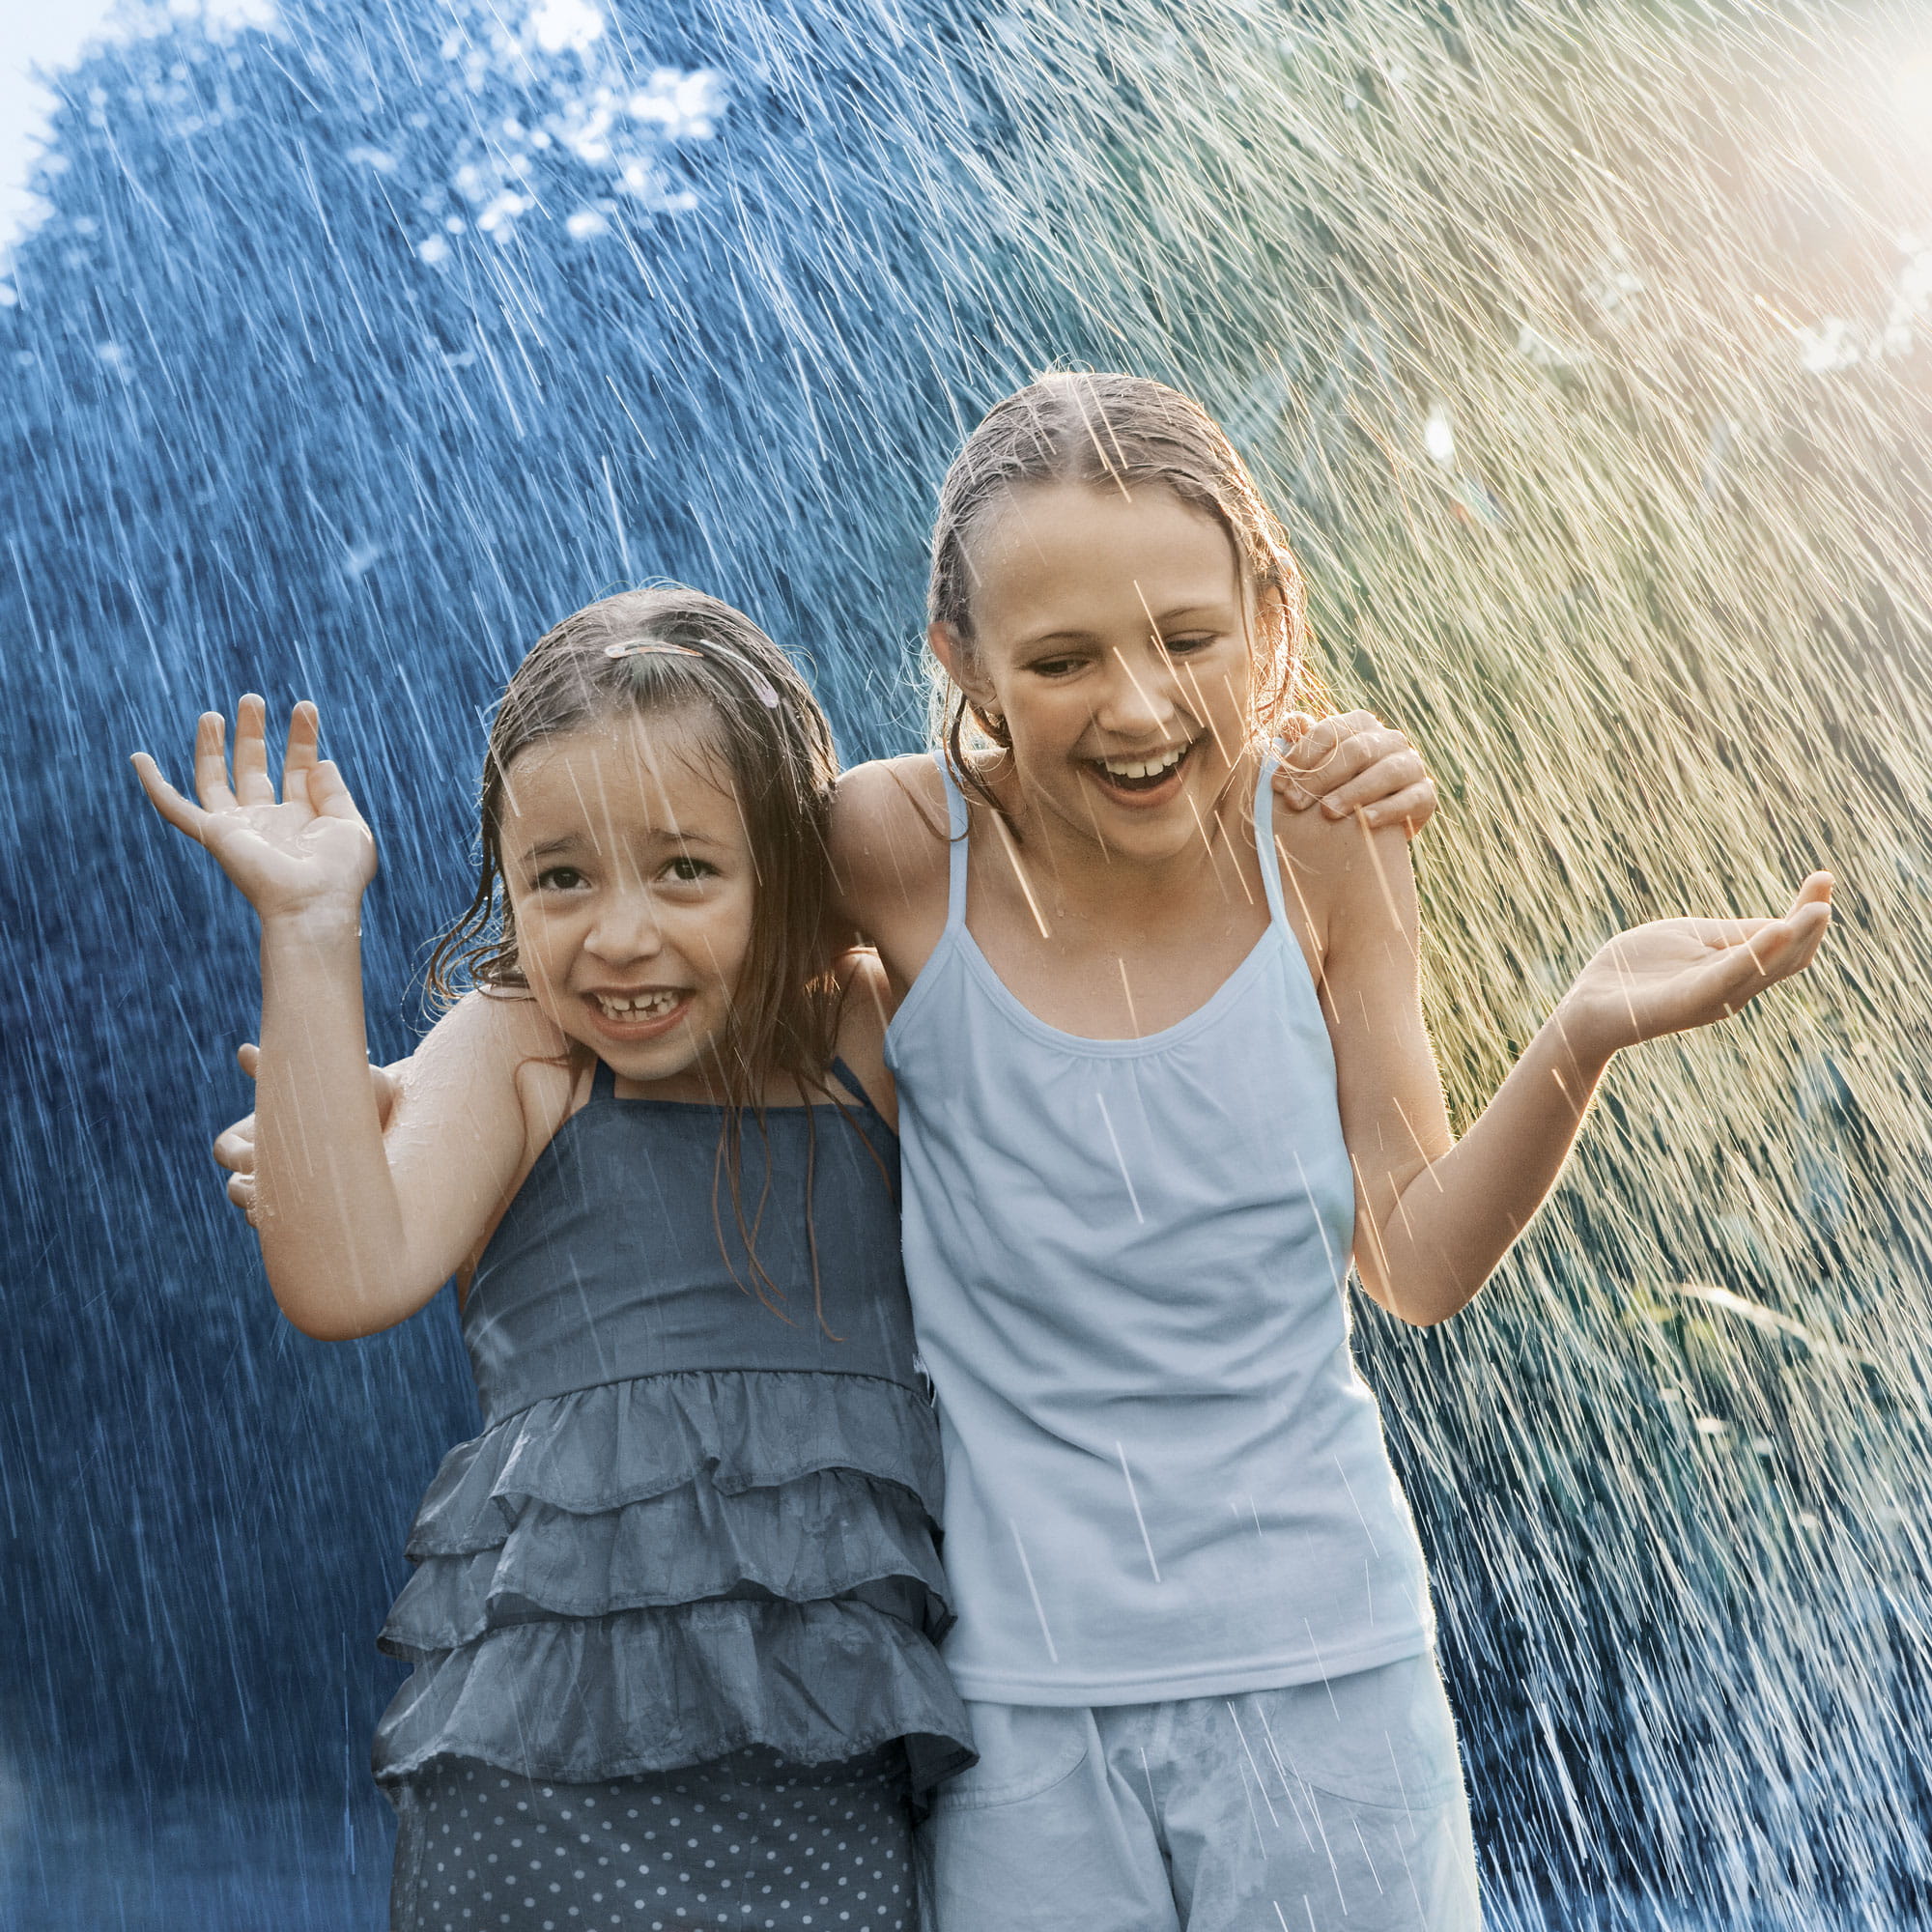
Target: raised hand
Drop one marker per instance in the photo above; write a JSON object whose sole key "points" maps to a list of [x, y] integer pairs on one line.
{"points": [[1677, 973], [1355, 762], [308, 852]]}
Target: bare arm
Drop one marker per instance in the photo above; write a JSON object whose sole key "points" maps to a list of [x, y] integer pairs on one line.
{"points": [[1435, 1215], [356, 1234], [889, 862]]}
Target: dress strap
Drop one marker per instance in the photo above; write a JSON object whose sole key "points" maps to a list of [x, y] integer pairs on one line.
{"points": [[956, 833], [604, 1083], [1264, 846]]}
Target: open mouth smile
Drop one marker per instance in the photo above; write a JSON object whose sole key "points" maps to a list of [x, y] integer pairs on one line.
{"points": [[1147, 771], [640, 1014]]}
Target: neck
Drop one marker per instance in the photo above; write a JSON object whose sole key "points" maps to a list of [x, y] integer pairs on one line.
{"points": [[1071, 871]]}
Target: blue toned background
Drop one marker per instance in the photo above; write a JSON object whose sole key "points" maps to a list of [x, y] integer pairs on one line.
{"points": [[353, 348]]}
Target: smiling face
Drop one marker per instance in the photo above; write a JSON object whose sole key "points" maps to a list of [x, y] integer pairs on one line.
{"points": [[1111, 633], [632, 886]]}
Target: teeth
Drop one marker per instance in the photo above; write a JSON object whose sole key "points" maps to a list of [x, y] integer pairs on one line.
{"points": [[1139, 768], [641, 1007]]}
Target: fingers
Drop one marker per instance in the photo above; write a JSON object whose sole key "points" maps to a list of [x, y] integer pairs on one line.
{"points": [[252, 752], [249, 1055], [328, 795], [1786, 945], [210, 763], [1412, 807], [241, 1192], [299, 754], [184, 814], [1317, 744], [235, 1146], [1396, 771], [1759, 952], [1341, 760]]}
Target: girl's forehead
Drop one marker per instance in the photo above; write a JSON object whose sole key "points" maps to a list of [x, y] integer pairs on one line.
{"points": [[631, 771], [1056, 546]]}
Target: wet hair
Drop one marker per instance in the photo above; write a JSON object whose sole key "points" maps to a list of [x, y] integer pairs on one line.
{"points": [[1113, 432], [701, 659]]}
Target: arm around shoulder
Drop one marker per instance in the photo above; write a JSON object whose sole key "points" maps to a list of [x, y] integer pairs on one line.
{"points": [[889, 859]]}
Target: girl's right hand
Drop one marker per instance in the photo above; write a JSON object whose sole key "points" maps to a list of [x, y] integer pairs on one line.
{"points": [[309, 853]]}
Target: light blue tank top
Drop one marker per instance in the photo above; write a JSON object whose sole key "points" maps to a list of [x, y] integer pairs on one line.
{"points": [[1164, 1477]]}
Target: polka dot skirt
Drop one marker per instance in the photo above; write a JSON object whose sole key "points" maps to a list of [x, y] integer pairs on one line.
{"points": [[751, 1841]]}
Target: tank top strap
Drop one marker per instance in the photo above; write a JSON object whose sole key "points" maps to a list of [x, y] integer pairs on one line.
{"points": [[1264, 846], [603, 1081], [955, 833]]}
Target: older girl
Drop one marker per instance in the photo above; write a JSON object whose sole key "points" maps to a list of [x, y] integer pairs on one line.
{"points": [[1163, 1076], [674, 1612]]}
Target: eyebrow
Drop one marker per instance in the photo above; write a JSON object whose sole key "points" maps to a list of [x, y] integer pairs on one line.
{"points": [[1078, 637], [551, 848]]}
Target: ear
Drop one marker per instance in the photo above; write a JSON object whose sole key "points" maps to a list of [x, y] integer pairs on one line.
{"points": [[960, 663]]}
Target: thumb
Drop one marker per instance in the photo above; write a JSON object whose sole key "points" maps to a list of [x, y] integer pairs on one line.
{"points": [[249, 1057]]}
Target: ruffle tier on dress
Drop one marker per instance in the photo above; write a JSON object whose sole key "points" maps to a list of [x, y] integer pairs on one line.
{"points": [[652, 1573]]}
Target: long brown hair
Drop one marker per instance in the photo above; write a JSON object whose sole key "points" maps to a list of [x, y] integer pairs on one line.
{"points": [[772, 738], [1114, 431]]}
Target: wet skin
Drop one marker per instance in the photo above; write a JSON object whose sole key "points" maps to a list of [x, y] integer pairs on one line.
{"points": [[632, 884]]}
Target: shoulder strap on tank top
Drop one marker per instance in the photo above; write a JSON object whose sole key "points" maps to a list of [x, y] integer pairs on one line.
{"points": [[1264, 846], [956, 835]]}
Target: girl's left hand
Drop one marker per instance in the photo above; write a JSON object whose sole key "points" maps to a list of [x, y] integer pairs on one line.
{"points": [[1677, 973], [1355, 762]]}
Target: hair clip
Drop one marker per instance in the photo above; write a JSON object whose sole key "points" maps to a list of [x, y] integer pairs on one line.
{"points": [[754, 676]]}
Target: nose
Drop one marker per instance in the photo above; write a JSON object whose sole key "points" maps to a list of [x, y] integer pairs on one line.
{"points": [[626, 928], [1139, 700]]}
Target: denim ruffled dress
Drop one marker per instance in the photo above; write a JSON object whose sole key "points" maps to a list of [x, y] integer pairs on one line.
{"points": [[702, 1515]]}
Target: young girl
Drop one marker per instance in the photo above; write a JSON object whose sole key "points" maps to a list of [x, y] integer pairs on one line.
{"points": [[675, 1613], [1163, 1074]]}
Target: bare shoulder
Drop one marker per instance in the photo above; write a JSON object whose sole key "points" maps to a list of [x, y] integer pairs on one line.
{"points": [[889, 856], [866, 1011], [505, 1024], [889, 819], [493, 1050], [1342, 883]]}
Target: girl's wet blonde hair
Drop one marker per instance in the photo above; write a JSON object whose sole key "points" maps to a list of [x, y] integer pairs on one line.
{"points": [[1113, 432]]}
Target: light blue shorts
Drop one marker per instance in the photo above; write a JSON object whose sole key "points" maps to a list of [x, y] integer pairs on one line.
{"points": [[1334, 1807]]}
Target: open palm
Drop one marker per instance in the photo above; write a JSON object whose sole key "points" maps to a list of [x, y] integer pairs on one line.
{"points": [[1677, 973], [308, 851]]}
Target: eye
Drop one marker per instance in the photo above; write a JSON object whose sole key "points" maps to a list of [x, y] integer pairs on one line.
{"points": [[559, 879], [1181, 647], [688, 870], [1056, 667]]}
